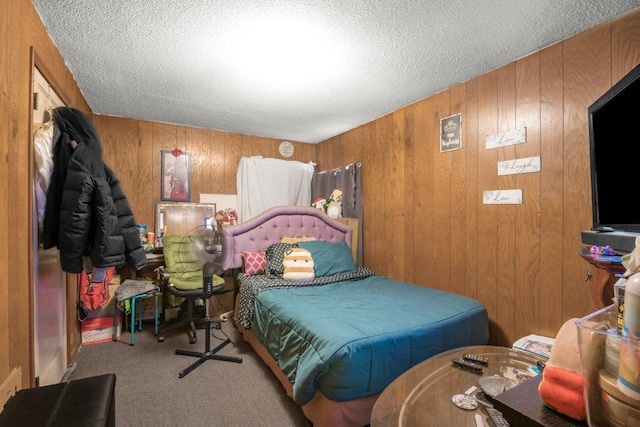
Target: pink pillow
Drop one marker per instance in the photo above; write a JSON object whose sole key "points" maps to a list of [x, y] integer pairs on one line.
{"points": [[254, 262]]}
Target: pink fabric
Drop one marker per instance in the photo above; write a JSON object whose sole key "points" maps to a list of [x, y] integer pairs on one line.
{"points": [[254, 262]]}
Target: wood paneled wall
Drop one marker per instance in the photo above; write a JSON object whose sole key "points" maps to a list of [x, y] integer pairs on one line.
{"points": [[132, 148], [424, 219]]}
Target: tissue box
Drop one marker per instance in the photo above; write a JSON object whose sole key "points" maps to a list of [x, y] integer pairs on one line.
{"points": [[599, 340]]}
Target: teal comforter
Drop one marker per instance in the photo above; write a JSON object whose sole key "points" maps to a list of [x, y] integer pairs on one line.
{"points": [[350, 339]]}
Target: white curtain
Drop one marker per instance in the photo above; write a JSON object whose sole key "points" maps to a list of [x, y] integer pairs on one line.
{"points": [[266, 183]]}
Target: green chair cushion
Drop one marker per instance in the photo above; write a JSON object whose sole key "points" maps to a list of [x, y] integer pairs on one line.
{"points": [[183, 262]]}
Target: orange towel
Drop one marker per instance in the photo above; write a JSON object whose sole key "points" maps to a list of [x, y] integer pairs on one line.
{"points": [[562, 390]]}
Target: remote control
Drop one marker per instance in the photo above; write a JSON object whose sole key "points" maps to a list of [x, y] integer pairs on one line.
{"points": [[475, 358], [496, 417], [463, 363]]}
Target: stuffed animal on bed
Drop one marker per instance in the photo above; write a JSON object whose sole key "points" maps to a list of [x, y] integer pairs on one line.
{"points": [[298, 265], [333, 206]]}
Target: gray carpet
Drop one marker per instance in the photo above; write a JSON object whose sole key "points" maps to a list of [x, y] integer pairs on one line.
{"points": [[217, 393]]}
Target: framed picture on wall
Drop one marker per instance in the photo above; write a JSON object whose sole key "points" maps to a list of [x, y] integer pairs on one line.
{"points": [[176, 176], [451, 133]]}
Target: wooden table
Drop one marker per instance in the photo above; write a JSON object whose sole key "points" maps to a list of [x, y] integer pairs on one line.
{"points": [[603, 277], [422, 396]]}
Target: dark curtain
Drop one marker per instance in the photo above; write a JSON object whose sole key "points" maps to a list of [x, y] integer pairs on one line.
{"points": [[347, 179]]}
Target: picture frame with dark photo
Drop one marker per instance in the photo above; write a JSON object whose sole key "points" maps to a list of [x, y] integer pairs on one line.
{"points": [[176, 176], [451, 133]]}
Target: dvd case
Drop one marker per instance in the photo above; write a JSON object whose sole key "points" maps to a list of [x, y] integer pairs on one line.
{"points": [[536, 344]]}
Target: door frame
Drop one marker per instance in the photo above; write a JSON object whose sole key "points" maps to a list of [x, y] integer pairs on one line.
{"points": [[37, 62]]}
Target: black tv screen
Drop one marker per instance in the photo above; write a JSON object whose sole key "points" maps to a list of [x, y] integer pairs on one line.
{"points": [[615, 165]]}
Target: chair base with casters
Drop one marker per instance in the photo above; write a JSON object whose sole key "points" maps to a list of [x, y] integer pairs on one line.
{"points": [[189, 320]]}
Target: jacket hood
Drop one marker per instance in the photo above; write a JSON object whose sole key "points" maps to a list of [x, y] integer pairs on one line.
{"points": [[73, 124]]}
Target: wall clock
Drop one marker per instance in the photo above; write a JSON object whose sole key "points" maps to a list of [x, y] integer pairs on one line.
{"points": [[286, 149]]}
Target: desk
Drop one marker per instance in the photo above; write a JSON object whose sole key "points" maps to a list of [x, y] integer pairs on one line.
{"points": [[422, 395], [145, 273]]}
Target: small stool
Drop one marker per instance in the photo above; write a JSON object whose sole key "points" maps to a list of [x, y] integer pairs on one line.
{"points": [[133, 292], [83, 402], [156, 321]]}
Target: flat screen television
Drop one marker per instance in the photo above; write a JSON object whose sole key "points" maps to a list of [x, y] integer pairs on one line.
{"points": [[615, 165]]}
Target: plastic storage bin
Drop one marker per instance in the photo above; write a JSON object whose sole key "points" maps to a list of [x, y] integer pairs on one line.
{"points": [[599, 343]]}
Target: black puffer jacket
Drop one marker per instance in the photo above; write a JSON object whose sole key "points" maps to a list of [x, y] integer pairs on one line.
{"points": [[87, 211], [133, 252]]}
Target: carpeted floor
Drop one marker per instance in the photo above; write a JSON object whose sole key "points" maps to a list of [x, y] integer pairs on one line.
{"points": [[217, 393]]}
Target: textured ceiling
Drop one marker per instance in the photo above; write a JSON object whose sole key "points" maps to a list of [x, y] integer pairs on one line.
{"points": [[296, 70]]}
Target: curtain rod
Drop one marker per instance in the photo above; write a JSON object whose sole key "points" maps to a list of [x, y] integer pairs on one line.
{"points": [[357, 164]]}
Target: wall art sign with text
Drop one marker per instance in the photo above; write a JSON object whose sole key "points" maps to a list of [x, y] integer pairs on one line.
{"points": [[523, 165], [502, 197], [451, 133], [505, 139]]}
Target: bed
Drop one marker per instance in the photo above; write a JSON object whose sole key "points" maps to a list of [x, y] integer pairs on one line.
{"points": [[337, 340]]}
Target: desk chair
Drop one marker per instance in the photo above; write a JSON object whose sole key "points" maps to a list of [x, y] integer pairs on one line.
{"points": [[209, 289], [181, 276], [188, 275]]}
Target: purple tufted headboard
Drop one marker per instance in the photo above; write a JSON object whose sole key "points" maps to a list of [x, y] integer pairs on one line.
{"points": [[273, 224]]}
